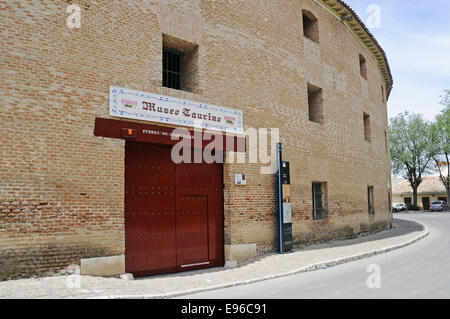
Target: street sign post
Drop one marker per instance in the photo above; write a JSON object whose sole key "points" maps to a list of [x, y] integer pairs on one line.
{"points": [[284, 203]]}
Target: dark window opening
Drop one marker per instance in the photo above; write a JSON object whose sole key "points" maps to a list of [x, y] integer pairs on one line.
{"points": [[310, 26], [319, 200], [315, 104], [363, 66], [180, 64], [426, 203], [386, 142], [367, 130], [370, 200], [389, 200], [172, 68]]}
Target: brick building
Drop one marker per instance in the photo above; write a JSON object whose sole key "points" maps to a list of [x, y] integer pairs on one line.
{"points": [[70, 171]]}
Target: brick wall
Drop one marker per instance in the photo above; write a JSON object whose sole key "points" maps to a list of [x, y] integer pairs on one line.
{"points": [[62, 189]]}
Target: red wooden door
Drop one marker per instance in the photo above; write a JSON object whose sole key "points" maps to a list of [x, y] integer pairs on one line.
{"points": [[173, 213], [192, 231], [149, 209]]}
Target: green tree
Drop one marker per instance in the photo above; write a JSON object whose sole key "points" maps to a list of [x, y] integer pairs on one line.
{"points": [[441, 142], [411, 149], [446, 98]]}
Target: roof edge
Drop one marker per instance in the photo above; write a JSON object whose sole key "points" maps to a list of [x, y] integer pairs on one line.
{"points": [[343, 10]]}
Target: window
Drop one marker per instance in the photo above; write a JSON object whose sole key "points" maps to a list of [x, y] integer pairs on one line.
{"points": [[370, 200], [408, 201], [389, 200], [426, 203], [443, 199], [363, 66], [367, 132], [386, 142], [310, 26], [180, 64], [383, 96], [319, 197], [315, 104], [172, 68]]}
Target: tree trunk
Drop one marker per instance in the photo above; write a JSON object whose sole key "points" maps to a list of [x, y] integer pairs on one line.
{"points": [[448, 196], [415, 196]]}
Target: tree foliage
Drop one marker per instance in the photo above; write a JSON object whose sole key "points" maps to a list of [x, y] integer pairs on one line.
{"points": [[446, 99], [441, 142], [418, 147], [411, 149]]}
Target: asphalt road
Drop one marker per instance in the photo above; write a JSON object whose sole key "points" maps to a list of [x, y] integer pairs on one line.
{"points": [[419, 271]]}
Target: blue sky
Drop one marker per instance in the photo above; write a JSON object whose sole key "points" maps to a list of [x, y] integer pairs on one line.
{"points": [[416, 37]]}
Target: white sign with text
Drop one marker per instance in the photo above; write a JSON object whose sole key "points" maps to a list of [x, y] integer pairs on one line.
{"points": [[132, 104]]}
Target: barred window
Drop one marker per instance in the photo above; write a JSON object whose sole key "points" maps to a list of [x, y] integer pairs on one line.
{"points": [[172, 68], [319, 200], [180, 64]]}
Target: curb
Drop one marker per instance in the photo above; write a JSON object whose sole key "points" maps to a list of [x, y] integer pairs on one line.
{"points": [[309, 268]]}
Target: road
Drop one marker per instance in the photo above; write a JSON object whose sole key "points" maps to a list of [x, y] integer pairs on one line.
{"points": [[420, 271]]}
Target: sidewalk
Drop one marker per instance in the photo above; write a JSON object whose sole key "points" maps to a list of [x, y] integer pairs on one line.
{"points": [[261, 268]]}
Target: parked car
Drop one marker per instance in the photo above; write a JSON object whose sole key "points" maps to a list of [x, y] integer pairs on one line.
{"points": [[439, 206], [400, 208]]}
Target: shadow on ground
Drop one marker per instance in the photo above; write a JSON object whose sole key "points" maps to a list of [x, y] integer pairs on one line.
{"points": [[400, 228]]}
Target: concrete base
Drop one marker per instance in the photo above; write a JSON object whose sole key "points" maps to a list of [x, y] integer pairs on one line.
{"points": [[240, 253], [127, 277], [103, 266], [230, 264]]}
